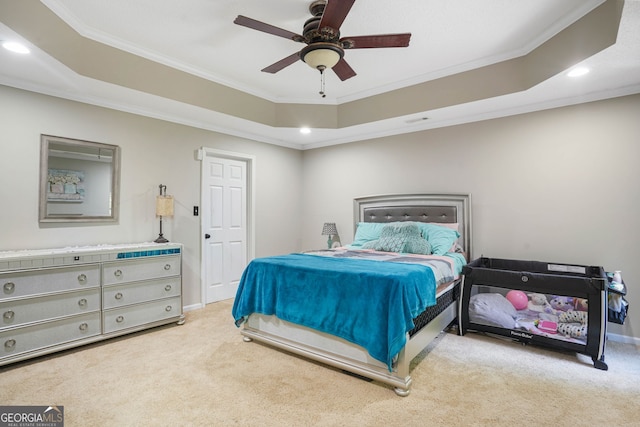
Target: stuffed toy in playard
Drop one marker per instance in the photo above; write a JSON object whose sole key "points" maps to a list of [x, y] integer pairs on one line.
{"points": [[561, 303], [573, 324], [539, 303], [581, 304]]}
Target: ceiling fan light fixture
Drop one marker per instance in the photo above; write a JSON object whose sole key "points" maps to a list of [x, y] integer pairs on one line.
{"points": [[321, 56]]}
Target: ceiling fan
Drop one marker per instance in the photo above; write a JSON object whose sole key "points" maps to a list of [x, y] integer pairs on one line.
{"points": [[321, 33]]}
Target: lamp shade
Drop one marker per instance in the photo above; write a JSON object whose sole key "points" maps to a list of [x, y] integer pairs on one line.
{"points": [[164, 205], [321, 55], [329, 229]]}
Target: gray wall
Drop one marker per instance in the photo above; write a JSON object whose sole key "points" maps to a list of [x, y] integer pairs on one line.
{"points": [[559, 185], [153, 153]]}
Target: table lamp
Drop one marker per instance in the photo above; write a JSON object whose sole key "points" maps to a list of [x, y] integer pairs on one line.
{"points": [[329, 229]]}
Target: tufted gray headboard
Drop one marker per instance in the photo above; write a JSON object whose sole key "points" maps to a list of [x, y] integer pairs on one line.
{"points": [[439, 208]]}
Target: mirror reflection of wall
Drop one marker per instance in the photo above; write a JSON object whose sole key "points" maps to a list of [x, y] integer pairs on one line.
{"points": [[79, 180], [87, 190]]}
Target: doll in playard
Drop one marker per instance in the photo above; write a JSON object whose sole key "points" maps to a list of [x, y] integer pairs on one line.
{"points": [[554, 316], [562, 315]]}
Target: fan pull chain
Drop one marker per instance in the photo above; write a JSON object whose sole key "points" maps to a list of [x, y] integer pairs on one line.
{"points": [[322, 68]]}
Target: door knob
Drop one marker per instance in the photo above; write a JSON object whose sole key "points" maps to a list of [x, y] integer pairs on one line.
{"points": [[207, 236]]}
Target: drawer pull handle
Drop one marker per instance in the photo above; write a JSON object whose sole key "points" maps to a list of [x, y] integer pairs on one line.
{"points": [[82, 302], [168, 308], [119, 295], [9, 287], [119, 319], [9, 344], [82, 278], [117, 273], [8, 315], [167, 267], [83, 327], [167, 288]]}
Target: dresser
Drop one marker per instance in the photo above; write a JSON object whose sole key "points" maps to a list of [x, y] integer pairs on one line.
{"points": [[55, 299]]}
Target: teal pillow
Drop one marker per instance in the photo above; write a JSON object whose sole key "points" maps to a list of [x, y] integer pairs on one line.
{"points": [[439, 237], [367, 232], [371, 244]]}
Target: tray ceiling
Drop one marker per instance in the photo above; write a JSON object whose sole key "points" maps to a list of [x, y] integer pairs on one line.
{"points": [[187, 62]]}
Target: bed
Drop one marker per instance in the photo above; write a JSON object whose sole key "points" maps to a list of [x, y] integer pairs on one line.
{"points": [[383, 349]]}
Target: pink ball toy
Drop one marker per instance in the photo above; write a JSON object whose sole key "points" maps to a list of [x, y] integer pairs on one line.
{"points": [[518, 299]]}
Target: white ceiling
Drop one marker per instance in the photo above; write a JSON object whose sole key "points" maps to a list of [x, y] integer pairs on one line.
{"points": [[448, 37]]}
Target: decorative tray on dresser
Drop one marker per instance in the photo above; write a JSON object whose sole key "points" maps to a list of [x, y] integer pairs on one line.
{"points": [[55, 299]]}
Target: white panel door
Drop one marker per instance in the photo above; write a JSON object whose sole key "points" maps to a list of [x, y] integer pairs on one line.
{"points": [[224, 218]]}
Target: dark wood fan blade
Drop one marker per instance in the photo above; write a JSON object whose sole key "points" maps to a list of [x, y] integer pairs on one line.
{"points": [[381, 40], [343, 70], [334, 13], [285, 62], [266, 28]]}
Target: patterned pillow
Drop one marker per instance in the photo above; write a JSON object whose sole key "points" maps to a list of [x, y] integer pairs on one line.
{"points": [[393, 237], [417, 245], [400, 237]]}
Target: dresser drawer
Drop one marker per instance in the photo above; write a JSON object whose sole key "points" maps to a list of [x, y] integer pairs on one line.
{"points": [[140, 269], [36, 337], [136, 315], [121, 295], [48, 280], [28, 310]]}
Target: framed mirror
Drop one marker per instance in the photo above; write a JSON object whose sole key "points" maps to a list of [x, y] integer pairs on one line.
{"points": [[79, 180]]}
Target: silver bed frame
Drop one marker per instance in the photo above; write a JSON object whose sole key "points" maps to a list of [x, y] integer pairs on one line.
{"points": [[336, 352]]}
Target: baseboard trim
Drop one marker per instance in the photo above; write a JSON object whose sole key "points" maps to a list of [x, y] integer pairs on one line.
{"points": [[623, 339], [193, 307]]}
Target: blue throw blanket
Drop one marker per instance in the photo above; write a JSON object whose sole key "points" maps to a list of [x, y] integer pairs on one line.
{"points": [[366, 302]]}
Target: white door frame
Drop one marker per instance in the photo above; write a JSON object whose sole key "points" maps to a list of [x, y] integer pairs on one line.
{"points": [[250, 160]]}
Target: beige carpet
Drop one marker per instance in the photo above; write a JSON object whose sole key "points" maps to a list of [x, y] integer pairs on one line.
{"points": [[203, 374]]}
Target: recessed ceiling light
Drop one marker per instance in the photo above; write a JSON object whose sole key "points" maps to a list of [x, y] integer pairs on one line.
{"points": [[15, 47], [305, 130], [578, 71]]}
